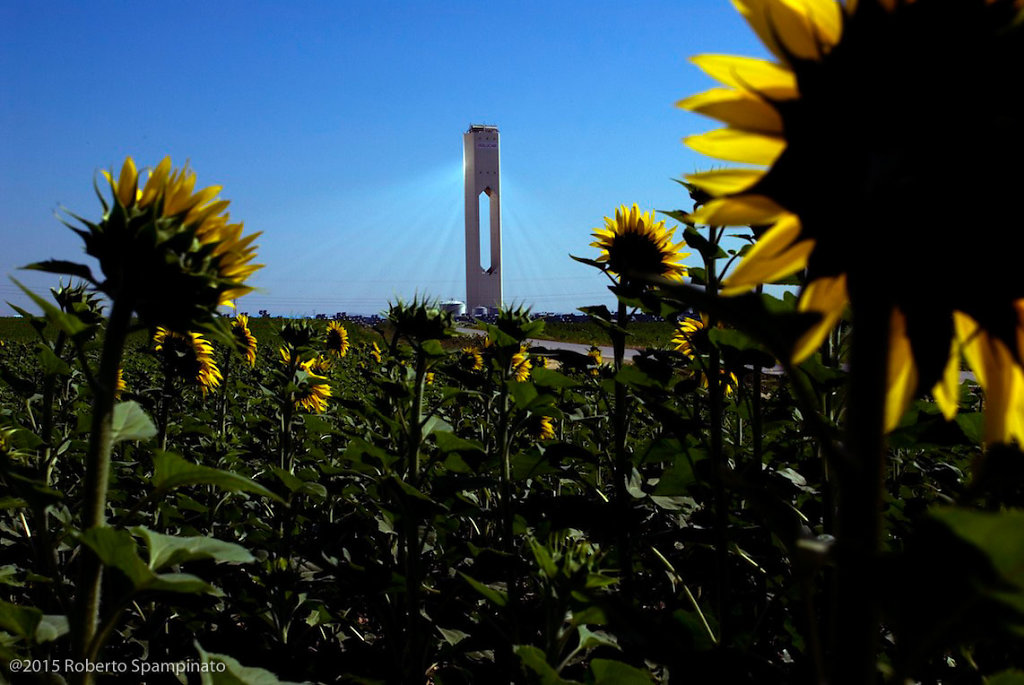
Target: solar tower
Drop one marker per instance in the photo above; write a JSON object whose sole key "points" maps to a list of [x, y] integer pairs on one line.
{"points": [[480, 161]]}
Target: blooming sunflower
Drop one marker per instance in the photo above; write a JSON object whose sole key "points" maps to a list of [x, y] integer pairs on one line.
{"points": [[544, 428], [188, 355], [471, 358], [167, 250], [634, 243], [120, 387], [314, 389], [596, 358], [375, 352], [337, 339], [687, 341], [521, 365], [855, 132], [246, 340]]}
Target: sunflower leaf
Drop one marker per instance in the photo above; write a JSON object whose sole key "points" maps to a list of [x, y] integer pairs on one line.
{"points": [[130, 422], [60, 266]]}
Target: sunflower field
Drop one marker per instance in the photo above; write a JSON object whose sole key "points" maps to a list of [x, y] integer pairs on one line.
{"points": [[817, 479]]}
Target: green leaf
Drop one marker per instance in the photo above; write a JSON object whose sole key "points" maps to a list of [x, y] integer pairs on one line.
{"points": [[298, 486], [676, 480], [533, 659], [172, 471], [1011, 677], [59, 266], [549, 378], [610, 672], [51, 364], [496, 596], [117, 549], [452, 636], [51, 627], [168, 550], [130, 422], [522, 393], [595, 638], [449, 442], [19, 620], [225, 670], [997, 534]]}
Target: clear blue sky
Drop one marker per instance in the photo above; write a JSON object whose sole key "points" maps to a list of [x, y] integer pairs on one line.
{"points": [[336, 128]]}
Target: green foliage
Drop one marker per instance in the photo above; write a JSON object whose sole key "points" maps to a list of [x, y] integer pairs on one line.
{"points": [[423, 526]]}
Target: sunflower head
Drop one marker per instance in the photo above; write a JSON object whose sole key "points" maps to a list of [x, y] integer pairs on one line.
{"points": [[470, 359], [856, 127], [78, 300], [687, 336], [120, 386], [189, 356], [634, 244], [310, 380], [419, 321], [596, 360], [244, 337], [169, 250], [375, 352], [298, 334], [521, 365], [337, 339], [542, 427]]}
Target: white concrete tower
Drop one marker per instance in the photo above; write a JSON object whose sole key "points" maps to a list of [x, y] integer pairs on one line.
{"points": [[480, 161]]}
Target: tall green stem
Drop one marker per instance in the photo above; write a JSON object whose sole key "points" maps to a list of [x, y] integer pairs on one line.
{"points": [[97, 476], [622, 470], [721, 499], [861, 479]]}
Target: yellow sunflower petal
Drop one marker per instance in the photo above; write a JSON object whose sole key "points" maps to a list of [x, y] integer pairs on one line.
{"points": [[778, 253], [725, 181], [736, 108], [738, 146], [999, 375], [126, 182], [828, 297], [902, 372], [801, 28], [747, 73], [947, 391], [742, 210]]}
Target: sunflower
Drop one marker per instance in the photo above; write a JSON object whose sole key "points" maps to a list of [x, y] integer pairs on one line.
{"points": [[521, 365], [375, 352], [321, 365], [246, 340], [858, 137], [543, 428], [596, 359], [687, 340], [169, 251], [314, 389], [337, 339], [633, 243], [188, 355], [428, 378], [120, 387], [471, 359]]}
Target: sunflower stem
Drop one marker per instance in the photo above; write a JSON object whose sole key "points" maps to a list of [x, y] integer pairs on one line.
{"points": [[721, 500], [97, 477], [622, 470], [860, 486]]}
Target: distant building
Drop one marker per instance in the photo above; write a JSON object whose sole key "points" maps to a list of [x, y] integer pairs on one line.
{"points": [[481, 164]]}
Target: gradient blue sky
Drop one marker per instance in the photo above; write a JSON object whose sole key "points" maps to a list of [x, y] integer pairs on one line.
{"points": [[336, 128]]}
